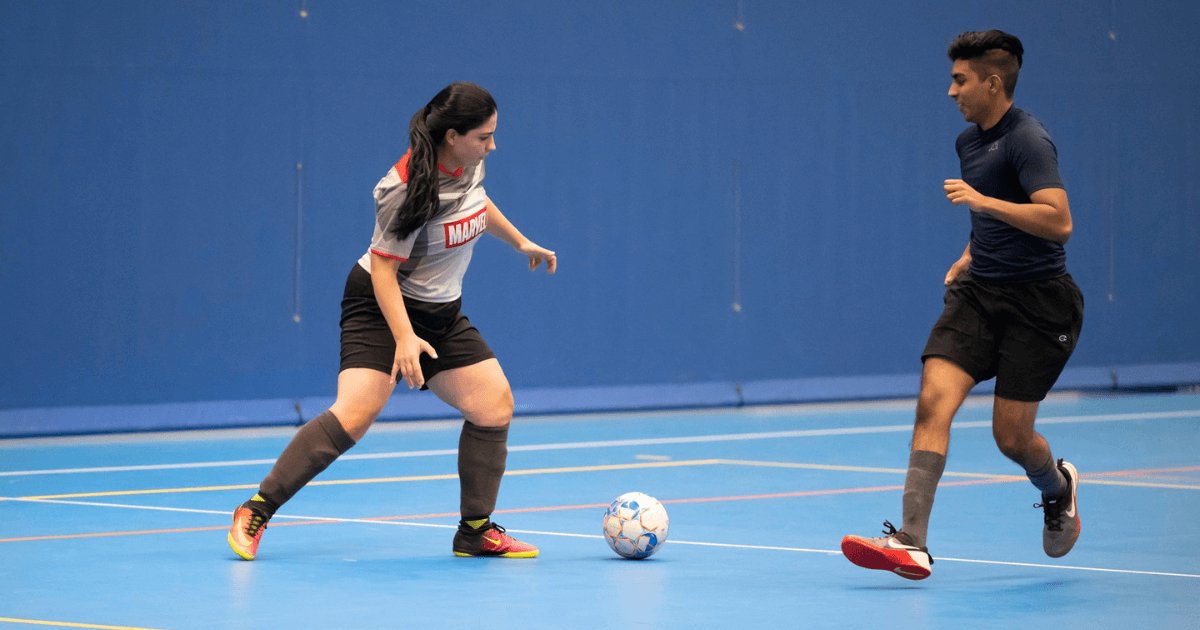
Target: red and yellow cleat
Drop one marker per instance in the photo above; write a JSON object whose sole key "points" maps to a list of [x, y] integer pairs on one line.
{"points": [[247, 530], [491, 541]]}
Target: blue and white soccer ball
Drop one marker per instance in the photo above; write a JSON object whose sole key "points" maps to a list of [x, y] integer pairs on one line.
{"points": [[635, 525]]}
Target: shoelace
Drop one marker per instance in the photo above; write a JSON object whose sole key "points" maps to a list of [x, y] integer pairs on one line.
{"points": [[892, 531], [256, 523], [1053, 516]]}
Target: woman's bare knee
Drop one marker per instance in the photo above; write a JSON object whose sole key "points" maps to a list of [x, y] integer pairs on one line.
{"points": [[496, 411], [480, 392], [362, 394]]}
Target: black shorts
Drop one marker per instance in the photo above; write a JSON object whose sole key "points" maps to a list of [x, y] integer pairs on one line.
{"points": [[367, 341], [1021, 333]]}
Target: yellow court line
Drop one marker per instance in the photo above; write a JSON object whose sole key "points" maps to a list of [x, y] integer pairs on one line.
{"points": [[542, 471], [343, 482], [747, 462], [124, 493], [1087, 479], [67, 624], [900, 471], [338, 482], [530, 471]]}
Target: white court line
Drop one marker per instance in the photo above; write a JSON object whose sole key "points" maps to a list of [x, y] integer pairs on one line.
{"points": [[729, 437], [943, 559], [119, 505], [1069, 567], [571, 535], [240, 462], [225, 513]]}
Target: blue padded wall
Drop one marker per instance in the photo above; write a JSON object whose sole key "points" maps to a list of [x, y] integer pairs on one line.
{"points": [[740, 191]]}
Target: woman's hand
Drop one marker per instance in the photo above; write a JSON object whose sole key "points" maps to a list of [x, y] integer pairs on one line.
{"points": [[407, 363], [537, 255]]}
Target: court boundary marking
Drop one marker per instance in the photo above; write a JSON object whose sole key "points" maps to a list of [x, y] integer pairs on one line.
{"points": [[407, 520], [1097, 478], [294, 520], [1160, 478]]}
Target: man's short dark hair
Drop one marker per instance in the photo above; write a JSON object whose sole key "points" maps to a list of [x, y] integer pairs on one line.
{"points": [[990, 52]]}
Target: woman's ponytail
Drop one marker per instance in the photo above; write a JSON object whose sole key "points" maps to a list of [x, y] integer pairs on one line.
{"points": [[461, 106], [421, 201]]}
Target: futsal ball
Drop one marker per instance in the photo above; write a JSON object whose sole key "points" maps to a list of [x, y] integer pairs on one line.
{"points": [[635, 525]]}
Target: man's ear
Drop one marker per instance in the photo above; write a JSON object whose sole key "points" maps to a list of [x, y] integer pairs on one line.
{"points": [[995, 83]]}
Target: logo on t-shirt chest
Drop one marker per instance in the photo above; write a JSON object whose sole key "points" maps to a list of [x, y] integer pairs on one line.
{"points": [[461, 232]]}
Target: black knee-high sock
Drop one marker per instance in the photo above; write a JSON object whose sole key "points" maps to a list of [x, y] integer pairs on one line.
{"points": [[482, 453], [312, 450]]}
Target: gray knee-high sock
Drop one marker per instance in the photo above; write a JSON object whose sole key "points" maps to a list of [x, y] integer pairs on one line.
{"points": [[482, 454], [924, 470], [312, 449], [1048, 478]]}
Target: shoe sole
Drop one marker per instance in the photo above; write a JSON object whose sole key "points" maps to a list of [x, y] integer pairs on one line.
{"points": [[516, 554], [869, 556], [239, 552]]}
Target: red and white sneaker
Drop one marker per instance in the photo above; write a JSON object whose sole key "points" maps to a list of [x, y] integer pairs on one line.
{"points": [[892, 552], [491, 541]]}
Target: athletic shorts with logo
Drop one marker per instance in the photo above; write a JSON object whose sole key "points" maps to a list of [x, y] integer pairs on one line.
{"points": [[1021, 333]]}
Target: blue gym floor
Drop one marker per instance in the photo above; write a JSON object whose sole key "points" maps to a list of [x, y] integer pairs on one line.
{"points": [[128, 531]]}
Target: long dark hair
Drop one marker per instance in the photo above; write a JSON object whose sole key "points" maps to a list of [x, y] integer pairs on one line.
{"points": [[462, 107]]}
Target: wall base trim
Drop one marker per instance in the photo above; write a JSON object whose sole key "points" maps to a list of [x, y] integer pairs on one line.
{"points": [[408, 406]]}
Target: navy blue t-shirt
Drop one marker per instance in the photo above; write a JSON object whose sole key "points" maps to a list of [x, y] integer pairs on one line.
{"points": [[1010, 161]]}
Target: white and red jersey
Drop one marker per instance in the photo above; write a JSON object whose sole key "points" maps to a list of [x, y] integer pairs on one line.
{"points": [[434, 258]]}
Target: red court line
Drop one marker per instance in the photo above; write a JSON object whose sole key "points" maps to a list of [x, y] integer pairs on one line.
{"points": [[814, 493], [552, 508]]}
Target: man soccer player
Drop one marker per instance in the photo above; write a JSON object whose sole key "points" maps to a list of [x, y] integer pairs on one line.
{"points": [[1011, 309]]}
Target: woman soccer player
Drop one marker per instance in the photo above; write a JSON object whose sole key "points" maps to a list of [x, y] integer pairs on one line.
{"points": [[401, 320]]}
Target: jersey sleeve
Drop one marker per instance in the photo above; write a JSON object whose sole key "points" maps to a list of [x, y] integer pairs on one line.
{"points": [[389, 194], [1036, 161]]}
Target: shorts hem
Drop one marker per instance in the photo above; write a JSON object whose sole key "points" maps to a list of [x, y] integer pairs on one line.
{"points": [[442, 366], [974, 376], [359, 364], [1020, 397]]}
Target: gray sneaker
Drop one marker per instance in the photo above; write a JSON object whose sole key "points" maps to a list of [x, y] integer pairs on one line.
{"points": [[1062, 518]]}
